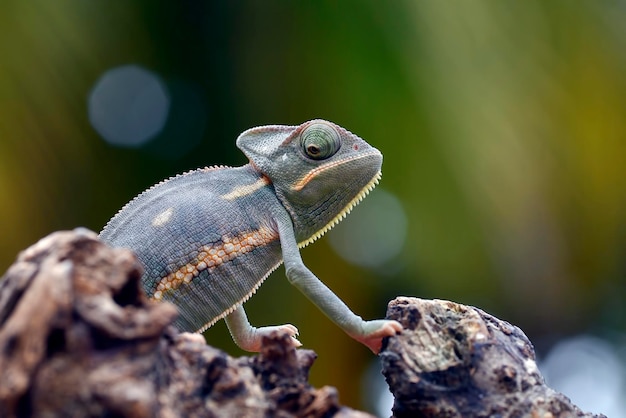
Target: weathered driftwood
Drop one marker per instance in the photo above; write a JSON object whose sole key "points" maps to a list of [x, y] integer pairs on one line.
{"points": [[454, 360], [78, 337]]}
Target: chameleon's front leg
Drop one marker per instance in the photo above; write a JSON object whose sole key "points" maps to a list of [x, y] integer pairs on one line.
{"points": [[248, 337], [369, 333]]}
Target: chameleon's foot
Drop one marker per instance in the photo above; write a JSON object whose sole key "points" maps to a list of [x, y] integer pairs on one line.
{"points": [[193, 337], [252, 341], [287, 329], [249, 338], [375, 331]]}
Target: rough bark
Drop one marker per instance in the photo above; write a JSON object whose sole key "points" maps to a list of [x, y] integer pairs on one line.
{"points": [[78, 337], [454, 360]]}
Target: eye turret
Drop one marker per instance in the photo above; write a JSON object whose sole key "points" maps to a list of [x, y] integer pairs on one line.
{"points": [[320, 141]]}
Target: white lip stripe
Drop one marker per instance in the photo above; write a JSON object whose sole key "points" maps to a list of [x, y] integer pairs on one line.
{"points": [[299, 185]]}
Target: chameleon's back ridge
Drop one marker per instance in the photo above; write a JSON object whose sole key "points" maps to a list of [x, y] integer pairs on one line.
{"points": [[208, 238]]}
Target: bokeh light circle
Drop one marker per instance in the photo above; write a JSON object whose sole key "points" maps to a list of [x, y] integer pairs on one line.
{"points": [[128, 106], [373, 233], [588, 370]]}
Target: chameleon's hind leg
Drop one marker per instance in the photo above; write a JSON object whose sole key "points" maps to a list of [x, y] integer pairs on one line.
{"points": [[248, 337]]}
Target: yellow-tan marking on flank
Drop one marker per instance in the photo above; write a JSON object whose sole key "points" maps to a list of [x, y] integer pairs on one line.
{"points": [[213, 255], [241, 191], [163, 217]]}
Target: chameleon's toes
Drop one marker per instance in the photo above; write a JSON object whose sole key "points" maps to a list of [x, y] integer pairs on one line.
{"points": [[286, 329], [193, 337], [393, 328], [379, 329], [292, 332], [386, 328]]}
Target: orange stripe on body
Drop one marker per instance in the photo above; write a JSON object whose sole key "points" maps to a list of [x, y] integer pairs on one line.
{"points": [[212, 256]]}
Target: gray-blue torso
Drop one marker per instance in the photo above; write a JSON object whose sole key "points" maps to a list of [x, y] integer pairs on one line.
{"points": [[170, 224]]}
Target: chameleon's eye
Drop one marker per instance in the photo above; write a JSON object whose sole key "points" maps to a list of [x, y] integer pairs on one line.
{"points": [[320, 141]]}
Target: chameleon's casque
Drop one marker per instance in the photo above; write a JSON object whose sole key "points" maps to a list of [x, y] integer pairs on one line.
{"points": [[208, 238]]}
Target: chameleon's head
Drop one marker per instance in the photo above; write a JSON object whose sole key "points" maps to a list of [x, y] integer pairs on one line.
{"points": [[319, 171]]}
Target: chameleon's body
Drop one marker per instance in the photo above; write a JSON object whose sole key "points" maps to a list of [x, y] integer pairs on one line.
{"points": [[208, 238]]}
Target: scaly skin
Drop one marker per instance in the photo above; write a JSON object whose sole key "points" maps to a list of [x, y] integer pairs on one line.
{"points": [[209, 238]]}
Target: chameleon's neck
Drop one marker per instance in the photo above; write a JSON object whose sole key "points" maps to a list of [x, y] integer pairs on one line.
{"points": [[254, 171], [302, 214], [316, 203], [312, 218]]}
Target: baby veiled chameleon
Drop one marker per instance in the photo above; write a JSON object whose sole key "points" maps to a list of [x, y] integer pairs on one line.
{"points": [[208, 238]]}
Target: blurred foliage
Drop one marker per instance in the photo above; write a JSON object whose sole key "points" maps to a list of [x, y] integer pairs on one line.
{"points": [[503, 126]]}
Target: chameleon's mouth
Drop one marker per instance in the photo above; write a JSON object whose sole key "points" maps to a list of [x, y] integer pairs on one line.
{"points": [[318, 170], [345, 211]]}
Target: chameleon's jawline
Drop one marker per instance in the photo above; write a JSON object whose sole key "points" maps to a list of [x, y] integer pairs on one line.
{"points": [[344, 212]]}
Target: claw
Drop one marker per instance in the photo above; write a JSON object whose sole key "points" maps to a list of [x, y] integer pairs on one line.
{"points": [[287, 329], [292, 332], [296, 342]]}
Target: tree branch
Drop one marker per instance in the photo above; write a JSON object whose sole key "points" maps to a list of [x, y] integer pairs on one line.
{"points": [[78, 337]]}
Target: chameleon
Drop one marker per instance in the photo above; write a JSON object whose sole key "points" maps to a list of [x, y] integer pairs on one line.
{"points": [[208, 238]]}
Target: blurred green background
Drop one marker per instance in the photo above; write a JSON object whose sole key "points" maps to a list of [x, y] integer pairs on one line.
{"points": [[502, 123]]}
